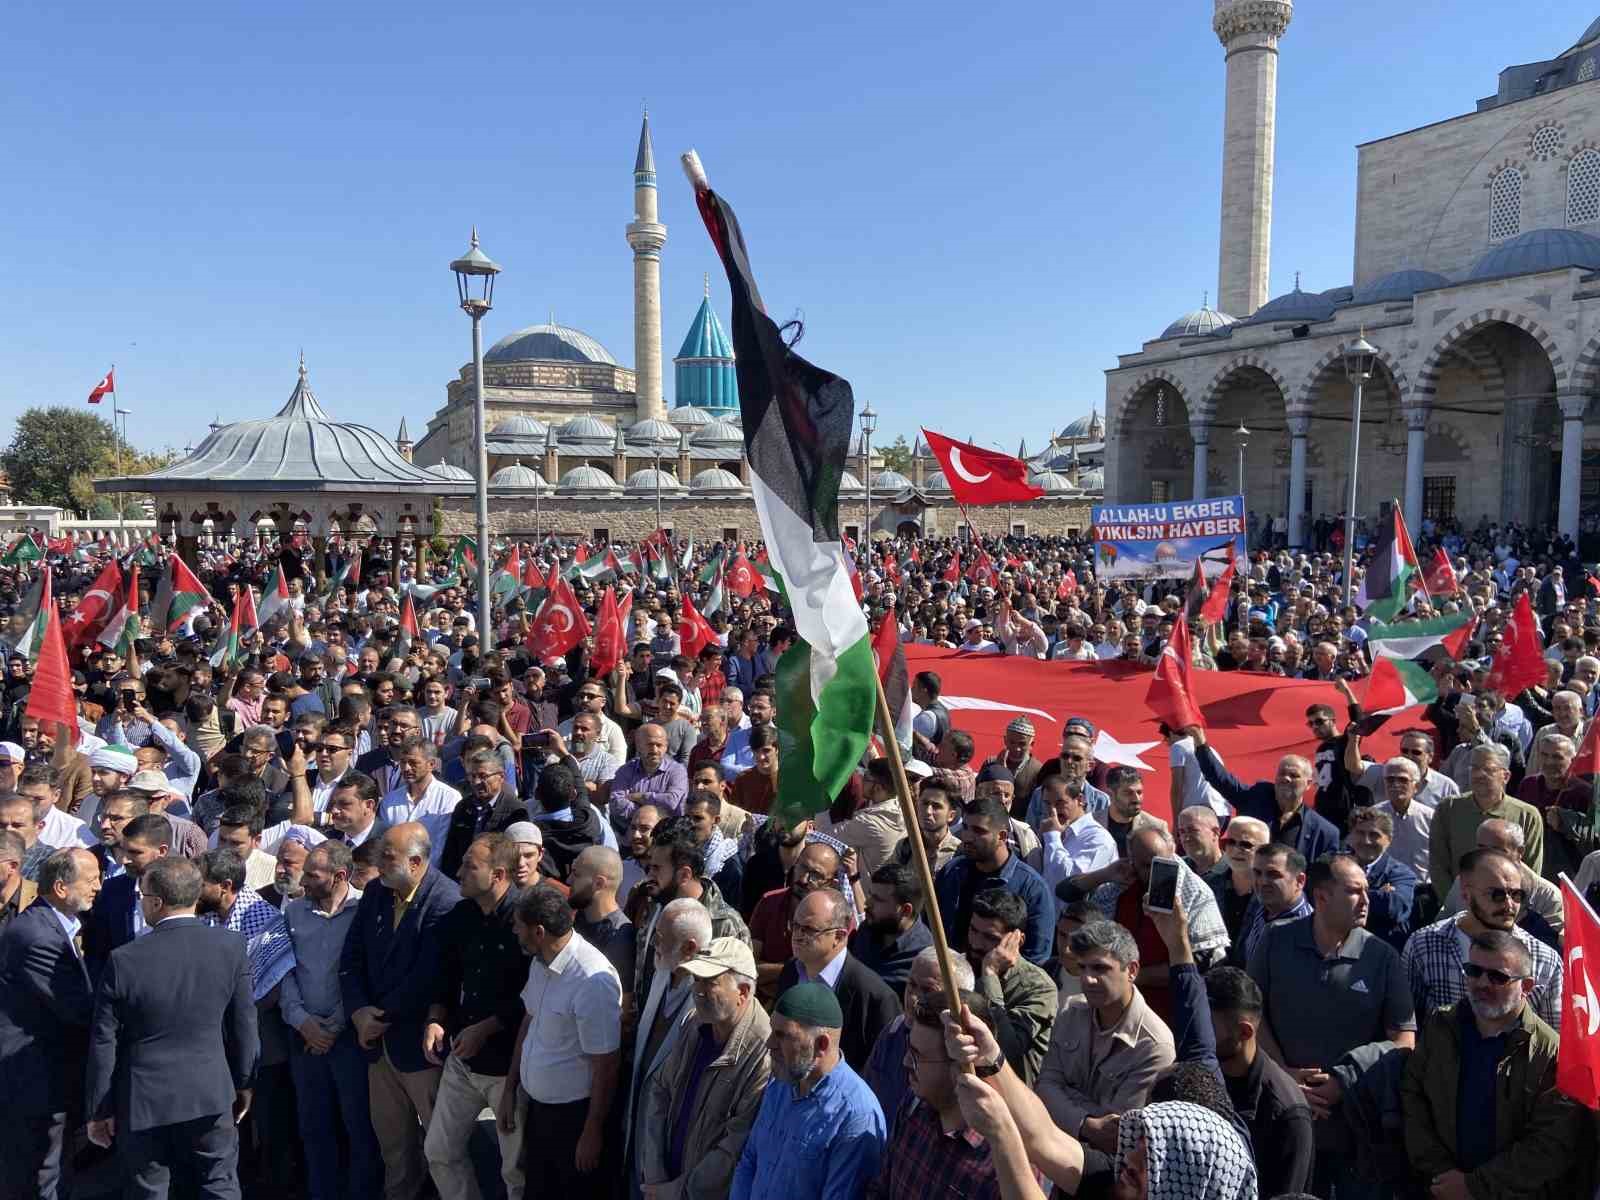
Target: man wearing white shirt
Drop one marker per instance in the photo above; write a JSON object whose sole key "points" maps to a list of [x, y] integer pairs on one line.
{"points": [[591, 698], [1072, 842], [1413, 820], [58, 830], [1418, 747], [420, 797], [1189, 786], [353, 811], [333, 753]]}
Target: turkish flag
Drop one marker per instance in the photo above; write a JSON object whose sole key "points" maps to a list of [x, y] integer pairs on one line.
{"points": [[694, 631], [107, 386], [1068, 587], [1588, 760], [741, 576], [530, 575], [952, 573], [609, 636], [982, 572], [1215, 609], [1578, 1060], [99, 604], [979, 476], [560, 624], [1520, 662], [1441, 576], [1170, 690], [50, 699]]}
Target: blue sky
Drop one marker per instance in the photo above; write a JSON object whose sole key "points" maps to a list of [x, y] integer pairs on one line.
{"points": [[975, 208]]}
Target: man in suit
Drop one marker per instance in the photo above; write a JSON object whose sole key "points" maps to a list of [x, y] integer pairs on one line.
{"points": [[172, 1045], [116, 918], [820, 930], [388, 971], [45, 1003]]}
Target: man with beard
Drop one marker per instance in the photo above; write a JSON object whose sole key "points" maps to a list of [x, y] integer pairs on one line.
{"points": [[678, 869], [1483, 1116], [593, 880], [935, 809], [1491, 886], [699, 1107], [473, 1019], [775, 848], [1021, 996], [110, 768], [288, 870], [885, 1071], [816, 866], [893, 933], [636, 888], [489, 806], [819, 1131], [569, 824]]}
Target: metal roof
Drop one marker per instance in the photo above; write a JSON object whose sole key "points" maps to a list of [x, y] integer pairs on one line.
{"points": [[706, 337], [1399, 286], [1201, 322], [1296, 307], [549, 343], [1537, 251]]}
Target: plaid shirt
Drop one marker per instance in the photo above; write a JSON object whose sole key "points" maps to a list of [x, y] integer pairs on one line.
{"points": [[921, 1160], [1433, 960]]}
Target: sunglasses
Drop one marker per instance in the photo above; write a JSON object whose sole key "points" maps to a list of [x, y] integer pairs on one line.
{"points": [[330, 747], [1500, 895], [1241, 843], [1498, 978]]}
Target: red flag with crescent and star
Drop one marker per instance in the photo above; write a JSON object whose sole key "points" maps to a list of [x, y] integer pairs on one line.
{"points": [[106, 387], [610, 636], [979, 476], [1171, 694], [560, 624], [694, 631], [741, 576], [1520, 661], [94, 611], [1578, 1059]]}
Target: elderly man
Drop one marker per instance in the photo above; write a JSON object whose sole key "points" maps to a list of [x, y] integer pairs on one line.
{"points": [[490, 806], [1483, 1115], [1200, 838], [1017, 758], [1107, 1047], [1073, 763], [817, 865], [819, 1131], [1491, 886], [653, 775], [699, 1107], [1391, 885], [1456, 820], [820, 931], [1542, 911], [886, 1071], [1234, 892], [1564, 801], [1411, 819], [1280, 803], [1416, 746]]}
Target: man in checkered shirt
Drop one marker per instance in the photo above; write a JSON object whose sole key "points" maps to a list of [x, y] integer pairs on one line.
{"points": [[1491, 888]]}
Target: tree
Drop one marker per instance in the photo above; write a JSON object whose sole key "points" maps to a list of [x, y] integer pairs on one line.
{"points": [[898, 456], [57, 453]]}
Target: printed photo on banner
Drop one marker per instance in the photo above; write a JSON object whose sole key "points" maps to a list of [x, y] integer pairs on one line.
{"points": [[1164, 541]]}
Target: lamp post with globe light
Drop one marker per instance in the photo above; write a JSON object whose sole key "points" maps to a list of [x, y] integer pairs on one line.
{"points": [[475, 272], [1359, 358], [869, 422], [1243, 435]]}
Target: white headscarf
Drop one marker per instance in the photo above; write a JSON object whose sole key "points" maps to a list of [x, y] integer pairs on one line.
{"points": [[1191, 1152]]}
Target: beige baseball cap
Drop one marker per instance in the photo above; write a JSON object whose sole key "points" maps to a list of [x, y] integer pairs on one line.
{"points": [[722, 955]]}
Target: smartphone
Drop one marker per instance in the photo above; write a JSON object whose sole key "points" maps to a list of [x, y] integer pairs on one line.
{"points": [[1163, 893], [478, 683], [536, 740]]}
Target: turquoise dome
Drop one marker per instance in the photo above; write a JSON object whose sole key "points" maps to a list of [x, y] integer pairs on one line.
{"points": [[703, 371]]}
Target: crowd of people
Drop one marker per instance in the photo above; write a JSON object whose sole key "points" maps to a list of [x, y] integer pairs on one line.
{"points": [[342, 916]]}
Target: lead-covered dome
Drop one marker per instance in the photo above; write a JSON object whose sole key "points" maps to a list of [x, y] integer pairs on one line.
{"points": [[549, 343], [451, 471], [1399, 286], [716, 480], [1053, 483], [719, 433], [586, 429], [1202, 322], [1536, 251], [652, 432], [1293, 308], [885, 482], [588, 480], [1084, 429], [645, 482], [519, 478]]}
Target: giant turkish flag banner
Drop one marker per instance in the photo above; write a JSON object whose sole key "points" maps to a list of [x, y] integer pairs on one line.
{"points": [[1578, 1061], [979, 476]]}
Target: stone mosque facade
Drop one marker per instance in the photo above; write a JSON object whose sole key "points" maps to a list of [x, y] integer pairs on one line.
{"points": [[1476, 275]]}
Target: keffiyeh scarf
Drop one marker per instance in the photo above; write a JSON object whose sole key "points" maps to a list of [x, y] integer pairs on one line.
{"points": [[1191, 1153], [266, 940]]}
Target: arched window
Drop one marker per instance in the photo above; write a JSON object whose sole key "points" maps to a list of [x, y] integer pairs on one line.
{"points": [[1505, 205], [1583, 188]]}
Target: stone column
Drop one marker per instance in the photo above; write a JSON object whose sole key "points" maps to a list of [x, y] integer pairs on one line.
{"points": [[1201, 432], [1572, 412], [395, 555], [646, 236], [319, 560], [1416, 442], [1299, 428], [1249, 31]]}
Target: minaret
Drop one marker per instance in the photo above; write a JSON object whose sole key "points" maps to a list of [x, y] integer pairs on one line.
{"points": [[402, 442], [646, 235], [1249, 31]]}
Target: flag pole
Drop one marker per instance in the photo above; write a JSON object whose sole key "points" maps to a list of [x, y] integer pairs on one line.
{"points": [[1422, 575], [919, 852]]}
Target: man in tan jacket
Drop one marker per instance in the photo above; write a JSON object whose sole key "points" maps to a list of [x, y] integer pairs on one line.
{"points": [[716, 1073]]}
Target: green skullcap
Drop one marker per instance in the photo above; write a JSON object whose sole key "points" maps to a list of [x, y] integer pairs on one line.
{"points": [[811, 1004]]}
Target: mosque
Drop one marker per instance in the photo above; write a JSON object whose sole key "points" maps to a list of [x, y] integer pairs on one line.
{"points": [[1475, 275]]}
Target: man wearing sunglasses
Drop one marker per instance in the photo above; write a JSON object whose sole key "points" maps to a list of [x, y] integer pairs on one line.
{"points": [[1520, 1137], [1491, 887]]}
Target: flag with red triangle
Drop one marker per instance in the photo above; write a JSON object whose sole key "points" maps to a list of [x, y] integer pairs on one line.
{"points": [[410, 633], [1170, 692], [179, 595], [1215, 609], [274, 595], [43, 608], [1588, 760], [609, 635], [50, 698], [249, 622], [122, 629], [229, 650], [1519, 663], [559, 625], [890, 656]]}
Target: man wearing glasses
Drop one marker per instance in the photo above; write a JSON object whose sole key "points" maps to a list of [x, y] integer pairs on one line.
{"points": [[591, 698], [820, 932], [1523, 1141]]}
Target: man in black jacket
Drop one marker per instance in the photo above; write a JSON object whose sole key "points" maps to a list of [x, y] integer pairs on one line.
{"points": [[172, 1046], [820, 930], [569, 824], [487, 805]]}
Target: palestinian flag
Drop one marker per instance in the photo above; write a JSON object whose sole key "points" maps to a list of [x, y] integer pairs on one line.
{"points": [[717, 597], [660, 565], [797, 421], [42, 605], [178, 595], [123, 628], [349, 575], [229, 652], [1385, 589], [274, 596], [687, 557], [23, 550], [249, 622], [769, 577], [1404, 655], [507, 581], [146, 556], [890, 657], [1215, 609], [713, 567], [410, 632], [464, 558]]}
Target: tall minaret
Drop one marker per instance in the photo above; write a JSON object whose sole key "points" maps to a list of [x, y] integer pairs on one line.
{"points": [[1249, 30], [646, 235]]}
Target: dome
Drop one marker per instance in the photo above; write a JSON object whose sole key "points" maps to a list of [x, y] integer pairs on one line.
{"points": [[548, 343], [889, 481], [652, 432], [1088, 428], [1293, 308], [849, 485], [1053, 483], [1201, 322], [687, 416], [645, 482], [1590, 34], [1536, 251], [706, 338], [1399, 286], [716, 479], [518, 427], [301, 448], [1092, 481], [719, 433], [450, 471], [517, 477], [588, 479], [586, 429], [937, 483]]}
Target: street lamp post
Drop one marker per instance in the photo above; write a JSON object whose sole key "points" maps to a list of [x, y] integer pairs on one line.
{"points": [[1243, 435], [122, 500], [475, 273], [869, 422], [1358, 360], [658, 486]]}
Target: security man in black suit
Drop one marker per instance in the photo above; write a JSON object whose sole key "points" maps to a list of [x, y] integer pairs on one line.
{"points": [[45, 1004], [173, 1045], [115, 920]]}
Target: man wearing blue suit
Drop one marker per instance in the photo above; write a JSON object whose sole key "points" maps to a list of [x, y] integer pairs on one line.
{"points": [[45, 1003], [388, 971], [173, 1045], [115, 918]]}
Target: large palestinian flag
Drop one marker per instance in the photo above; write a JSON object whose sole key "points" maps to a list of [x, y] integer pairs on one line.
{"points": [[797, 424], [1384, 589], [1405, 654]]}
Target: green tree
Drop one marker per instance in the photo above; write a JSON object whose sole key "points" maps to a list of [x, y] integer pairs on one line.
{"points": [[48, 448], [898, 456]]}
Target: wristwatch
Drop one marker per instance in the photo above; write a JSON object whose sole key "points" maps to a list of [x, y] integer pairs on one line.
{"points": [[988, 1070]]}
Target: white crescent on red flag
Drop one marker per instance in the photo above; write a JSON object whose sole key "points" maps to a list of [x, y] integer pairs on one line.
{"points": [[609, 636], [560, 624], [94, 611], [980, 476], [741, 576], [1170, 695], [1441, 576], [1520, 662], [106, 387], [1578, 1058], [694, 631]]}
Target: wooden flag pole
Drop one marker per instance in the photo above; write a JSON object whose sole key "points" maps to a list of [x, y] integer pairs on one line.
{"points": [[919, 852]]}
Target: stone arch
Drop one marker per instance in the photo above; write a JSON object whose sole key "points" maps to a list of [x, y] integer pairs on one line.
{"points": [[1444, 444], [1311, 386], [1428, 376], [1130, 397], [1208, 397], [1586, 373]]}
